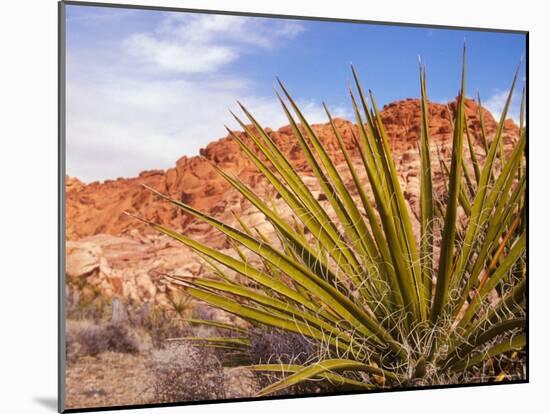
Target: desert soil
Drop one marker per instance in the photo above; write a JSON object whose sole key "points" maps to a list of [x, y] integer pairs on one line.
{"points": [[116, 379]]}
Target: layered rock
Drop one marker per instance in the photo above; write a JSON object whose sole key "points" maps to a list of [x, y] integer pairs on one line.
{"points": [[119, 256]]}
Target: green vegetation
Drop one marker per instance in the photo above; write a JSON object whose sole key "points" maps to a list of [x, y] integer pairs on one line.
{"points": [[386, 310]]}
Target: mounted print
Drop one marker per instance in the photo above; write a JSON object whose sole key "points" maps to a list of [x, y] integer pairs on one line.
{"points": [[257, 206]]}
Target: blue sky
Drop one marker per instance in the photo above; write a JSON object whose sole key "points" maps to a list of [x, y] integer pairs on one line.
{"points": [[147, 87]]}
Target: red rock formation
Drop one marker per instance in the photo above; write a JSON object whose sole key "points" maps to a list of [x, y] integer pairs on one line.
{"points": [[112, 254], [98, 208]]}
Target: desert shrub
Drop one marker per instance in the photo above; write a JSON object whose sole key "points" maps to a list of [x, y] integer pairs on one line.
{"points": [[203, 312], [392, 307], [158, 323], [93, 339], [79, 308], [181, 372], [72, 346], [165, 326], [275, 346]]}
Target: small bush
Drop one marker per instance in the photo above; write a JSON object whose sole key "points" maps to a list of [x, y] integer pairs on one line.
{"points": [[93, 339], [159, 324], [80, 308], [163, 327], [182, 372], [275, 346]]}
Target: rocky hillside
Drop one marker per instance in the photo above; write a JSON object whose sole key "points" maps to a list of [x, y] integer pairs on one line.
{"points": [[117, 255]]}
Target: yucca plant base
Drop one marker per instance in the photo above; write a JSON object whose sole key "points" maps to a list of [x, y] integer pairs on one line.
{"points": [[384, 307]]}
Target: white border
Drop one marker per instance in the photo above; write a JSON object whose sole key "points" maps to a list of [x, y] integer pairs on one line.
{"points": [[28, 344]]}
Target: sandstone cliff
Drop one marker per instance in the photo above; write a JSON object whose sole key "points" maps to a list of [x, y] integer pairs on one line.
{"points": [[117, 255]]}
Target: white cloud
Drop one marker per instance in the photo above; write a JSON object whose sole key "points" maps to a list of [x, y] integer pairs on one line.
{"points": [[199, 43], [232, 30], [187, 58], [148, 100], [124, 127], [495, 104]]}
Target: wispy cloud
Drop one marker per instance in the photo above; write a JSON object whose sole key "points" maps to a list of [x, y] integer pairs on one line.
{"points": [[160, 94], [496, 102], [121, 128], [187, 58], [201, 43]]}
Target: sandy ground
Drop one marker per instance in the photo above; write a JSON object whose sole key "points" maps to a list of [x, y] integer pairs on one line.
{"points": [[108, 379], [114, 379]]}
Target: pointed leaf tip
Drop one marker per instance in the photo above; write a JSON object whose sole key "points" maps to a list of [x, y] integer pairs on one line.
{"points": [[153, 190], [135, 216]]}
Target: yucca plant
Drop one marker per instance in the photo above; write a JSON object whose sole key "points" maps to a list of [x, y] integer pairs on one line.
{"points": [[386, 309]]}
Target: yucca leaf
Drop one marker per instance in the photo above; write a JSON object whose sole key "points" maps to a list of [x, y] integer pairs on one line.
{"points": [[215, 340], [333, 378], [462, 197], [380, 252], [318, 287], [479, 201], [328, 184], [508, 303], [300, 245], [426, 192], [469, 183], [480, 338], [497, 225], [296, 184], [413, 277], [343, 203], [513, 256], [449, 230], [321, 367], [501, 203], [264, 317], [301, 201], [275, 320], [509, 306], [384, 209], [374, 146], [368, 152], [260, 248], [215, 324], [515, 343], [350, 204], [285, 307], [521, 123], [402, 283], [498, 252], [473, 156], [236, 265], [484, 139]]}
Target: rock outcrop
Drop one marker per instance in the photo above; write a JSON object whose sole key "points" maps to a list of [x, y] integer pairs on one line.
{"points": [[120, 256]]}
